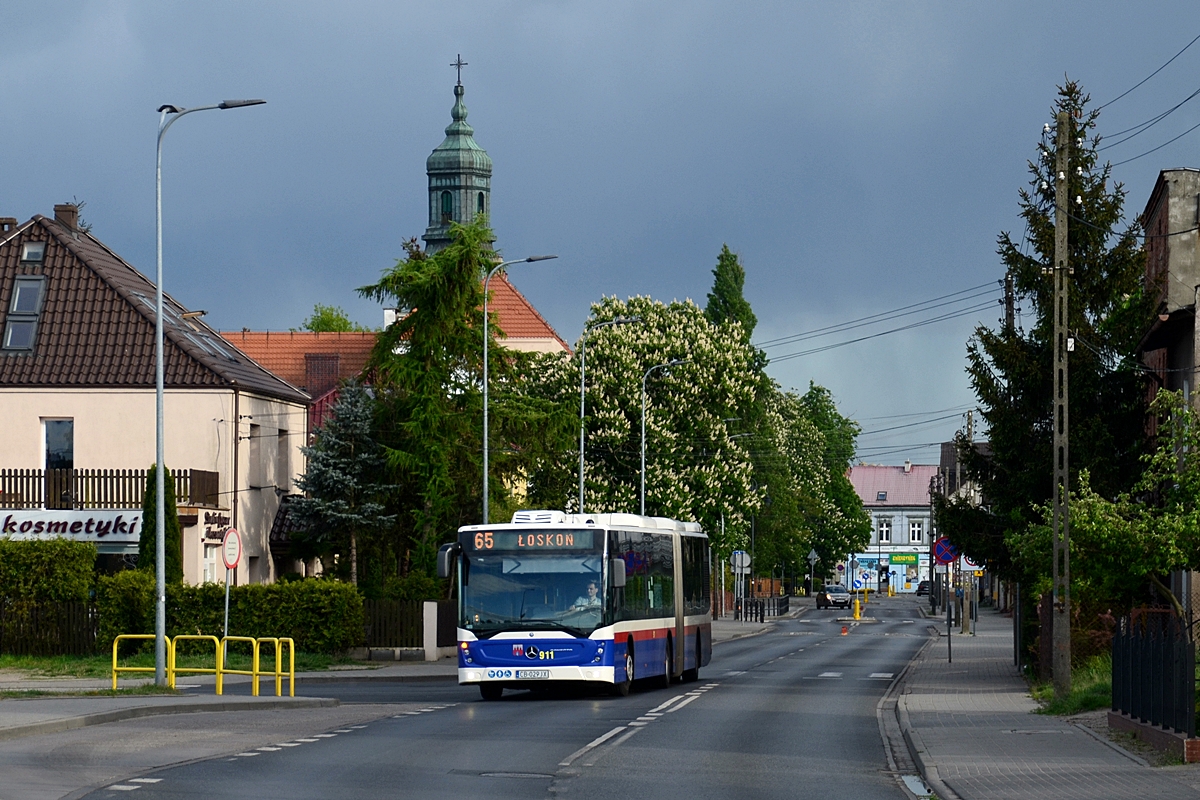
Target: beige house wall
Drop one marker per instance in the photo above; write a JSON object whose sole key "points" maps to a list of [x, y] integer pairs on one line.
{"points": [[114, 429]]}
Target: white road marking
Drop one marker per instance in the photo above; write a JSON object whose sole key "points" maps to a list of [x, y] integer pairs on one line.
{"points": [[639, 724], [342, 730], [681, 705], [880, 675], [247, 755], [649, 719], [358, 727], [592, 744], [269, 749], [288, 744], [669, 702], [153, 780], [652, 714], [306, 740], [123, 787], [325, 735], [830, 675]]}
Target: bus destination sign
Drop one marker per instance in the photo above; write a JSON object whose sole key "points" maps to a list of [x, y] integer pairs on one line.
{"points": [[525, 541]]}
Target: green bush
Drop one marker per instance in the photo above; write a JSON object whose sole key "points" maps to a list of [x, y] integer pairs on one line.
{"points": [[50, 569], [414, 586], [320, 616]]}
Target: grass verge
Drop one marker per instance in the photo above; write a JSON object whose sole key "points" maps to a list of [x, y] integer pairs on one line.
{"points": [[1091, 689], [149, 689]]}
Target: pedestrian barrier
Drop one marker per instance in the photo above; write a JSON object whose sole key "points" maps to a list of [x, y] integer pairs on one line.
{"points": [[116, 646], [279, 673], [1154, 671], [219, 670], [173, 670]]}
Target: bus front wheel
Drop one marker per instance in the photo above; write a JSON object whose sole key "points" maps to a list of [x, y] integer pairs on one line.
{"points": [[624, 686], [490, 691], [668, 664]]}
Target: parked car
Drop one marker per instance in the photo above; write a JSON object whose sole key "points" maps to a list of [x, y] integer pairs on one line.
{"points": [[922, 588], [832, 595]]}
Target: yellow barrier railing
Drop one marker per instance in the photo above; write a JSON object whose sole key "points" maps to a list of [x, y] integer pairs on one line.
{"points": [[278, 644], [253, 671], [116, 646], [219, 669], [173, 670]]}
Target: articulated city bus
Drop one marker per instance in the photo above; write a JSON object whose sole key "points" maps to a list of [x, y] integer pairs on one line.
{"points": [[596, 598]]}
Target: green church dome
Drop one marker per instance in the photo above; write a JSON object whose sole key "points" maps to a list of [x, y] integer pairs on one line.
{"points": [[459, 152]]}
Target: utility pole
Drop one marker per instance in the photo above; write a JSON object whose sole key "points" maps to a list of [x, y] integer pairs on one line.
{"points": [[1010, 311], [1061, 663]]}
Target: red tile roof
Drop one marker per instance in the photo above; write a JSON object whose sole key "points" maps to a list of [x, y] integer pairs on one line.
{"points": [[909, 488], [96, 326], [516, 316], [283, 352]]}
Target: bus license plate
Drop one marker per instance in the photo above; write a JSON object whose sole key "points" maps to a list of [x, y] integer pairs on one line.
{"points": [[533, 673]]}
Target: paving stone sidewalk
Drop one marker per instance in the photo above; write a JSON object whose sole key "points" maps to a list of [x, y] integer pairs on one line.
{"points": [[970, 726]]}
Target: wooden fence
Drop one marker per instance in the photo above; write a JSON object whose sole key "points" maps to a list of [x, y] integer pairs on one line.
{"points": [[393, 623], [98, 488], [29, 628]]}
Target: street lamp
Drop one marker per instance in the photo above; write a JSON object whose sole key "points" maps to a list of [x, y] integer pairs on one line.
{"points": [[486, 281], [667, 365], [582, 384], [168, 116]]}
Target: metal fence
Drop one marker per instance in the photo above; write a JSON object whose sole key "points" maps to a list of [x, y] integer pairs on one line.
{"points": [[98, 488], [757, 610], [1154, 671], [30, 628], [393, 623]]}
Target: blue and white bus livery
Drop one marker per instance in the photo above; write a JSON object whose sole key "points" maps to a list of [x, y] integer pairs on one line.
{"points": [[596, 598]]}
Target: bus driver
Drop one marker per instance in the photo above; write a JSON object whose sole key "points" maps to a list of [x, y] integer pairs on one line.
{"points": [[590, 600]]}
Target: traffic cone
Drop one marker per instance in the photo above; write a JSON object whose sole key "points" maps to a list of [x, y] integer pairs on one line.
{"points": [[845, 630]]}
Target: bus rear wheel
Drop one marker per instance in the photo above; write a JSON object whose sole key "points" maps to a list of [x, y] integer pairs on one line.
{"points": [[624, 686], [490, 691], [693, 674], [668, 664]]}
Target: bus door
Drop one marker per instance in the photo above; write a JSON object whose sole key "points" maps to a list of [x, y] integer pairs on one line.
{"points": [[680, 648]]}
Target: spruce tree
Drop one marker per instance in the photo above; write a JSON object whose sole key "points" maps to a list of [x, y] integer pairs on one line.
{"points": [[726, 302], [1011, 369], [345, 484], [173, 537]]}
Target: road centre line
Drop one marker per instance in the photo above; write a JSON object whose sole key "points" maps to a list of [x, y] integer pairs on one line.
{"points": [[684, 703], [591, 745], [669, 702], [248, 754]]}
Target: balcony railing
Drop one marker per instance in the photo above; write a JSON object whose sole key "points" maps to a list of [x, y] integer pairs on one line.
{"points": [[99, 488]]}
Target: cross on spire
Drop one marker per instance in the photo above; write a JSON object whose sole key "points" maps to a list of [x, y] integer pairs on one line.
{"points": [[459, 64]]}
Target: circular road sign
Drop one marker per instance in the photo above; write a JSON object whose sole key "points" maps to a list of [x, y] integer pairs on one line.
{"points": [[841, 567], [943, 551], [969, 563], [231, 548], [739, 559]]}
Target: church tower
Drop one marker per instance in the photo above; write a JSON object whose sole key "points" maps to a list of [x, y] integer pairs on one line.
{"points": [[460, 176]]}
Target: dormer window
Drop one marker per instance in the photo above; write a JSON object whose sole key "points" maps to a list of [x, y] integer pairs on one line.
{"points": [[33, 252], [20, 327], [880, 497]]}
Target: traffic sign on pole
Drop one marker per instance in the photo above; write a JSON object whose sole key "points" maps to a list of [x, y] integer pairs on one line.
{"points": [[813, 558], [943, 551], [231, 548], [739, 559]]}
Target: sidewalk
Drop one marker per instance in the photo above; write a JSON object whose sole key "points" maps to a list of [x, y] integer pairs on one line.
{"points": [[971, 729]]}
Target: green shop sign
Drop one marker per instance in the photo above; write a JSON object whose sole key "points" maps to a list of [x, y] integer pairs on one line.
{"points": [[903, 558]]}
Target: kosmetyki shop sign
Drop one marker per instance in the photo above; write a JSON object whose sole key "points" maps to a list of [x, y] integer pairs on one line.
{"points": [[117, 525]]}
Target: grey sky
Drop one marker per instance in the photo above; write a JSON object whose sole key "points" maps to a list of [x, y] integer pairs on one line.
{"points": [[859, 156]]}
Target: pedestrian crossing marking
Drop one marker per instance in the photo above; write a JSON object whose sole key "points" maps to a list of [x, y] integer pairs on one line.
{"points": [[830, 675]]}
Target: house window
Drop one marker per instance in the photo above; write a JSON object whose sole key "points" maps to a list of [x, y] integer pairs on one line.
{"points": [[885, 531], [33, 252], [211, 552], [255, 476], [60, 443], [283, 462], [447, 206], [479, 203], [880, 497], [916, 532], [21, 325]]}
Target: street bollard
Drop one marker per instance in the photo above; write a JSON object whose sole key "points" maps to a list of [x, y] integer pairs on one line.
{"points": [[857, 610]]}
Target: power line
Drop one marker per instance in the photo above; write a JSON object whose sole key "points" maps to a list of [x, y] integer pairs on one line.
{"points": [[910, 326], [1142, 127], [910, 424], [1151, 75], [880, 317], [919, 413], [1160, 147]]}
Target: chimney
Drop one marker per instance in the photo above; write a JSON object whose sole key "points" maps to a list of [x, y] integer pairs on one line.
{"points": [[8, 224], [907, 466], [67, 215]]}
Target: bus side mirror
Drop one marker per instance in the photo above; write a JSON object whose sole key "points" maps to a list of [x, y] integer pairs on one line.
{"points": [[445, 558], [616, 573]]}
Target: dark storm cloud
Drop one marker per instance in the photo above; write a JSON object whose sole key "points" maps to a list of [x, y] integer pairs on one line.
{"points": [[858, 156]]}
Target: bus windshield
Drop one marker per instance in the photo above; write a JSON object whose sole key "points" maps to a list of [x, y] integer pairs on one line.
{"points": [[539, 581]]}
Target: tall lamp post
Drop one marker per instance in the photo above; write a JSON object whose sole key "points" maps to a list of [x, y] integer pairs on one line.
{"points": [[487, 281], [667, 365], [168, 115], [583, 384]]}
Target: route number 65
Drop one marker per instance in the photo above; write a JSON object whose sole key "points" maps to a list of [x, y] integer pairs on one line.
{"points": [[483, 541]]}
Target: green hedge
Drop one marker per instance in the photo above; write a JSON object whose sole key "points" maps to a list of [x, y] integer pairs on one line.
{"points": [[320, 616], [51, 569]]}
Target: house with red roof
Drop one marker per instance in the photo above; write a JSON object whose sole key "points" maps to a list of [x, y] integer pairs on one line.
{"points": [[897, 498]]}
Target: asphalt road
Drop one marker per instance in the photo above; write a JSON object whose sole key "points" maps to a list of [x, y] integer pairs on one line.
{"points": [[789, 713]]}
